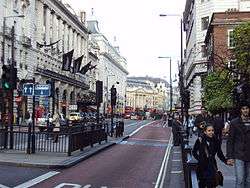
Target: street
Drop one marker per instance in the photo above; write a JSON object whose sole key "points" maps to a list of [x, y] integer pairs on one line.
{"points": [[122, 165]]}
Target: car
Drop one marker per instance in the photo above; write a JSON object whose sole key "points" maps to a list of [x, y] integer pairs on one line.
{"points": [[127, 116], [133, 116], [75, 116], [43, 122]]}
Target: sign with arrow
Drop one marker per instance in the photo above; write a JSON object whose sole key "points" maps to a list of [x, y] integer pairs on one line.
{"points": [[28, 89], [42, 90]]}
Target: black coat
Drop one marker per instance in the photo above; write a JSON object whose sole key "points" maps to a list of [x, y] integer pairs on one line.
{"points": [[238, 143], [207, 162]]}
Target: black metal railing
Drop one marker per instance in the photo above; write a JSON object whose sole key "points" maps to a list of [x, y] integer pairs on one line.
{"points": [[189, 163]]}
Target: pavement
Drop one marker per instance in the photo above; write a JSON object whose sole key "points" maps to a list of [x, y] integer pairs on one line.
{"points": [[54, 160]]}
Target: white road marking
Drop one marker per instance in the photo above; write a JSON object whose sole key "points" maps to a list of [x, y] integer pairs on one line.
{"points": [[149, 139], [69, 184], [163, 170], [132, 124], [87, 186], [37, 180], [139, 129], [176, 172], [3, 186], [176, 160], [176, 152]]}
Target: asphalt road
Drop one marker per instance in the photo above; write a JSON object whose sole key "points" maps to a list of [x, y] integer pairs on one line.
{"points": [[11, 176], [136, 162]]}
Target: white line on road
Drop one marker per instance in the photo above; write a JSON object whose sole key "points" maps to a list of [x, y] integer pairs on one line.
{"points": [[139, 129], [149, 139], [37, 180], [162, 173], [132, 124], [176, 172], [176, 160]]}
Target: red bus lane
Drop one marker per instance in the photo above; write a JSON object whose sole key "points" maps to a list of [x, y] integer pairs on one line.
{"points": [[135, 162]]}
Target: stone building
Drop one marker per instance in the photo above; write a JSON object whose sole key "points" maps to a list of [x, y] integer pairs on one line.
{"points": [[44, 31], [196, 18]]}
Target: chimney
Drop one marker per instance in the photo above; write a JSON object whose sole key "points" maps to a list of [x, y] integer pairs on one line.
{"points": [[83, 16]]}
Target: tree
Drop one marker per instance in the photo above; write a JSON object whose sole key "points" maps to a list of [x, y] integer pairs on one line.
{"points": [[241, 35], [218, 91], [219, 85]]}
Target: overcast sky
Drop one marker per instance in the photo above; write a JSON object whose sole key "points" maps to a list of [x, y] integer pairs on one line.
{"points": [[141, 34]]}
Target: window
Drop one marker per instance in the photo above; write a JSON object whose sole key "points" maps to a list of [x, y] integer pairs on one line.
{"points": [[231, 42], [204, 22], [203, 51]]}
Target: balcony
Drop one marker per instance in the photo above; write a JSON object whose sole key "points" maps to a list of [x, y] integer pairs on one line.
{"points": [[26, 41]]}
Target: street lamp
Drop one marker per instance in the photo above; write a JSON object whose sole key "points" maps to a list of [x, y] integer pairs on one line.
{"points": [[170, 79], [9, 101], [181, 71]]}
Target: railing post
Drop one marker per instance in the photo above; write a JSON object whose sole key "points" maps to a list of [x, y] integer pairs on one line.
{"points": [[192, 164], [187, 150], [70, 143]]}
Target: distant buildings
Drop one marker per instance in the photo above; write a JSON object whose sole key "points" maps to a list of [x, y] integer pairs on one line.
{"points": [[148, 92]]}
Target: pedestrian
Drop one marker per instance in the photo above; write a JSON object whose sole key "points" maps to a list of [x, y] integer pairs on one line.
{"points": [[218, 127], [201, 120], [204, 151], [238, 150], [56, 126], [176, 128]]}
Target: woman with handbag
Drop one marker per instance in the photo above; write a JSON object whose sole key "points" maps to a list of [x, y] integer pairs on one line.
{"points": [[204, 150]]}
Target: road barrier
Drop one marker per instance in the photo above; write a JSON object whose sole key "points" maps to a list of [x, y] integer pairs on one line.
{"points": [[67, 140]]}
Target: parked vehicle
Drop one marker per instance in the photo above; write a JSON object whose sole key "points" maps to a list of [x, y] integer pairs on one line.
{"points": [[133, 116], [74, 116], [43, 122]]}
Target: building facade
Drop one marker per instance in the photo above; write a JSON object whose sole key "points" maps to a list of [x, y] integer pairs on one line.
{"points": [[196, 18], [111, 69], [45, 31]]}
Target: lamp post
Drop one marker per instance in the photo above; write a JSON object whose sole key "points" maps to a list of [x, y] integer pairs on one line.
{"points": [[107, 90], [182, 64], [170, 80], [10, 92]]}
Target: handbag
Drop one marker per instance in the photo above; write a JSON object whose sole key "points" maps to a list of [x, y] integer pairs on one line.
{"points": [[218, 179]]}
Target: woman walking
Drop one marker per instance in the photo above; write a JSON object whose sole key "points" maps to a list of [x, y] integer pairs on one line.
{"points": [[56, 124], [205, 149]]}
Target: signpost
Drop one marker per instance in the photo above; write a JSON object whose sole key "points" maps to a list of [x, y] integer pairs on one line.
{"points": [[30, 89]]}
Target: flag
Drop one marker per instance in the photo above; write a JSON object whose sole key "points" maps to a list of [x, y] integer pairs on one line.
{"points": [[67, 59], [48, 45], [85, 68], [77, 64]]}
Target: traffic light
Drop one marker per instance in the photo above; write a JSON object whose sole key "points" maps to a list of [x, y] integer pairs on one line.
{"points": [[52, 87], [6, 77], [99, 91], [113, 96], [186, 99]]}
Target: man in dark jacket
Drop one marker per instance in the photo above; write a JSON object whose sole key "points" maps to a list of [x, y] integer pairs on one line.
{"points": [[238, 150]]}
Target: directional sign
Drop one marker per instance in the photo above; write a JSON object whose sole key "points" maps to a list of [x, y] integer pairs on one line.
{"points": [[42, 90], [28, 89]]}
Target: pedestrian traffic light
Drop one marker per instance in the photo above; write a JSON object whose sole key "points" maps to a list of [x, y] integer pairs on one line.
{"points": [[99, 91], [6, 77], [113, 96]]}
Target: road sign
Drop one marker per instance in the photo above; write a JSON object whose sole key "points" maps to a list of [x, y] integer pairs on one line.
{"points": [[28, 89], [42, 90]]}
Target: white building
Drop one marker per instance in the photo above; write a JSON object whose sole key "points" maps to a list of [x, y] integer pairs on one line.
{"points": [[196, 19], [112, 67]]}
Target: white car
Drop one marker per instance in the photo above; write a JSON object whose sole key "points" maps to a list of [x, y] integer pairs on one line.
{"points": [[42, 122]]}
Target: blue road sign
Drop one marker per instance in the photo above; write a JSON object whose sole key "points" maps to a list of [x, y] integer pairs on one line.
{"points": [[28, 89], [42, 90]]}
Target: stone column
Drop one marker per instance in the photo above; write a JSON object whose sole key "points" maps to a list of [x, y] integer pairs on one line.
{"points": [[47, 25]]}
